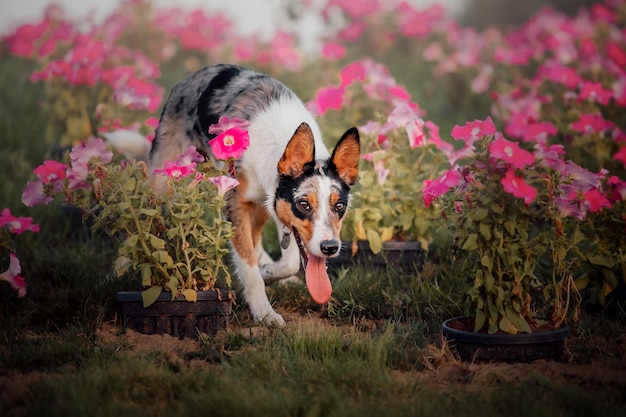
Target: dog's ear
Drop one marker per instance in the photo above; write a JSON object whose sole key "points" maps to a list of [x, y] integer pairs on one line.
{"points": [[299, 151], [346, 156]]}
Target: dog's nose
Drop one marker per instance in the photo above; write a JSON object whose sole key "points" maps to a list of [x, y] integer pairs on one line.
{"points": [[329, 247]]}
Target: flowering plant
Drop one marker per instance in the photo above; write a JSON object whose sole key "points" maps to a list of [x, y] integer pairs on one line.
{"points": [[10, 226], [516, 219], [398, 154], [177, 240]]}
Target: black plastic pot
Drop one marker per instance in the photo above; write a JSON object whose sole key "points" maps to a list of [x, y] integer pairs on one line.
{"points": [[522, 347], [179, 318]]}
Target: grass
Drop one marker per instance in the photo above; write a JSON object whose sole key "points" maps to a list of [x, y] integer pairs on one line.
{"points": [[375, 349]]}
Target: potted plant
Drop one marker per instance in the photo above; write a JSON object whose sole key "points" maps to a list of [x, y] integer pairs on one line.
{"points": [[387, 221], [176, 241], [513, 215]]}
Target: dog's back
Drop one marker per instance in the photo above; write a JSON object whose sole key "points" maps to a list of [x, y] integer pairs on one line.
{"points": [[199, 100]]}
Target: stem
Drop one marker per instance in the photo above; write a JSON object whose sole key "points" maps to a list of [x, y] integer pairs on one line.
{"points": [[142, 240]]}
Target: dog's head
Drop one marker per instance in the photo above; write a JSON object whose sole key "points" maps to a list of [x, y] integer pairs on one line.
{"points": [[312, 199]]}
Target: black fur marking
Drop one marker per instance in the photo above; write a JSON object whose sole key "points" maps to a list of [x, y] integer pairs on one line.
{"points": [[205, 115], [180, 105], [288, 184]]}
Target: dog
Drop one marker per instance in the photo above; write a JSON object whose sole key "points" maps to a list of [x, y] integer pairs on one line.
{"points": [[286, 173]]}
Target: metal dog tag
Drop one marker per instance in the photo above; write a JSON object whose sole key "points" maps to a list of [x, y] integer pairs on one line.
{"points": [[284, 242]]}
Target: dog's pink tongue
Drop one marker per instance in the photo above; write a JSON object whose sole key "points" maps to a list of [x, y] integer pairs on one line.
{"points": [[317, 280]]}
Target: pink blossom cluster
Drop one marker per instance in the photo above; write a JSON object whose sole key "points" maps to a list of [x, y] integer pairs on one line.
{"points": [[580, 65], [579, 191]]}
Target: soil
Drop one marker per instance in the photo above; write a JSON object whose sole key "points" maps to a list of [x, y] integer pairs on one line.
{"points": [[440, 371]]}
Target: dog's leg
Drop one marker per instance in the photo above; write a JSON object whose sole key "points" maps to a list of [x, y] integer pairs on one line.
{"points": [[259, 218], [287, 266], [245, 219]]}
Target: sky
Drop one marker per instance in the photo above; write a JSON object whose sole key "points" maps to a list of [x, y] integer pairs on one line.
{"points": [[250, 16]]}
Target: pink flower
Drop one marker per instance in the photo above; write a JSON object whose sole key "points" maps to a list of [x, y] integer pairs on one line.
{"points": [[330, 97], [550, 156], [595, 92], [190, 157], [591, 123], [510, 152], [333, 51], [559, 74], [34, 193], [172, 170], [17, 225], [51, 171], [621, 155], [357, 8], [230, 144], [354, 71], [225, 123], [91, 149], [415, 132], [518, 187], [13, 277], [224, 183], [377, 158], [474, 130], [439, 186], [595, 200]]}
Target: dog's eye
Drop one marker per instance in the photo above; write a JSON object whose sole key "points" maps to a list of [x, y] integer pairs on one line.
{"points": [[303, 205], [340, 206]]}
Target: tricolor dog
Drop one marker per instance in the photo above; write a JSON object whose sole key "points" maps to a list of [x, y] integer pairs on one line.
{"points": [[286, 173]]}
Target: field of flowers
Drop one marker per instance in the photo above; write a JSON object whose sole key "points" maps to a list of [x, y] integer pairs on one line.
{"points": [[453, 122]]}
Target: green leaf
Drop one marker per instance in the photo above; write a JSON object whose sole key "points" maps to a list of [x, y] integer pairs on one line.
{"points": [[602, 261], [509, 225], [496, 208], [150, 295], [130, 184], [375, 241], [485, 231], [506, 326], [146, 275], [480, 320], [163, 257], [190, 295], [149, 211], [479, 214], [471, 243], [172, 284], [157, 242], [486, 262], [517, 320]]}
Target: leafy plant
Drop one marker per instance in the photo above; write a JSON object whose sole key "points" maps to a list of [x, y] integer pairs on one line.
{"points": [[513, 218], [176, 240]]}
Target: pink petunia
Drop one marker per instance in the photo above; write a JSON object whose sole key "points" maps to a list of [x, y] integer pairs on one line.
{"points": [[595, 201], [225, 123], [354, 71], [91, 149], [474, 130], [17, 225], [51, 171], [34, 193], [333, 51], [621, 155], [595, 92], [224, 183], [510, 152], [230, 144], [190, 157], [330, 97], [439, 186], [518, 187], [172, 170], [13, 277], [591, 123]]}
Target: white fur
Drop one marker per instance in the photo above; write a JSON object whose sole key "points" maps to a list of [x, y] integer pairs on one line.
{"points": [[130, 143]]}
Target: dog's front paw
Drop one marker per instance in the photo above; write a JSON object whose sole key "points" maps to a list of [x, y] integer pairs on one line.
{"points": [[271, 319]]}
